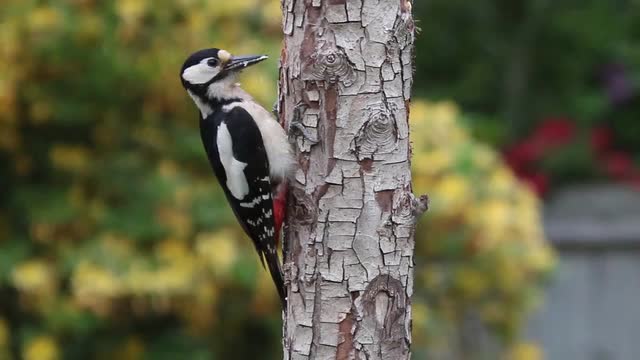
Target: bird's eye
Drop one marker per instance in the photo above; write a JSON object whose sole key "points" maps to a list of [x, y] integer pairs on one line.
{"points": [[212, 62]]}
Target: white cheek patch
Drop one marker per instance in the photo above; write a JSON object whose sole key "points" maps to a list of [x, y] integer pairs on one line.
{"points": [[234, 169], [200, 73], [205, 109]]}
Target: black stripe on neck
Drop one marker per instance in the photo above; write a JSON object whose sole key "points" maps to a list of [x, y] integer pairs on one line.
{"points": [[217, 103]]}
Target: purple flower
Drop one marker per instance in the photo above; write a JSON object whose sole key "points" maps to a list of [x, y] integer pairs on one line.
{"points": [[617, 83]]}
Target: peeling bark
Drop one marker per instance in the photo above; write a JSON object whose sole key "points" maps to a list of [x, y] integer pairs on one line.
{"points": [[346, 72]]}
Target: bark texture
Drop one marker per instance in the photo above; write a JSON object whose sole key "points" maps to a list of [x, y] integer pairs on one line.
{"points": [[346, 73]]}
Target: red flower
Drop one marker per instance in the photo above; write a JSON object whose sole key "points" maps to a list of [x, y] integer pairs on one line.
{"points": [[600, 139], [554, 131], [618, 164], [551, 133], [538, 182], [521, 154]]}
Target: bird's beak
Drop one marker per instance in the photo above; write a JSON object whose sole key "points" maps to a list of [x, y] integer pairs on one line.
{"points": [[240, 62]]}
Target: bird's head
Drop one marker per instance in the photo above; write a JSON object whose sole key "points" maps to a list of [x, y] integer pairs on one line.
{"points": [[211, 69]]}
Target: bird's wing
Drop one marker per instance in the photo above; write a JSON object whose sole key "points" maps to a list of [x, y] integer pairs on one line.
{"points": [[236, 152]]}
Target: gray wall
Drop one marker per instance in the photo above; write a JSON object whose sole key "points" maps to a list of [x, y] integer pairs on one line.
{"points": [[592, 308]]}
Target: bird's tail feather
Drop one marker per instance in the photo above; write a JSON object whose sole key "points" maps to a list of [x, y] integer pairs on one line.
{"points": [[278, 278]]}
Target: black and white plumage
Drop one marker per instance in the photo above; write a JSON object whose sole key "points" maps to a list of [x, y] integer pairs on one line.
{"points": [[247, 148]]}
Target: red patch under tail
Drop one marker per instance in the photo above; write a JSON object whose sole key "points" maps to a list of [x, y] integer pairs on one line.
{"points": [[280, 207]]}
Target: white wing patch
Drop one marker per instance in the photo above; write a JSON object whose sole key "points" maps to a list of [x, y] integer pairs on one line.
{"points": [[234, 169], [273, 136]]}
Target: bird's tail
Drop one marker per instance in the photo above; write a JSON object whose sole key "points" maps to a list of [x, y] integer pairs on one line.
{"points": [[278, 279], [280, 211]]}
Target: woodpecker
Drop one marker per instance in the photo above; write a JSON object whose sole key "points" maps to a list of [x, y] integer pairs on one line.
{"points": [[247, 148]]}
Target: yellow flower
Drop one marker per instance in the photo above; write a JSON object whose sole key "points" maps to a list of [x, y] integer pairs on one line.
{"points": [[434, 124], [420, 313], [116, 246], [218, 250], [484, 157], [131, 11], [176, 278], [10, 40], [495, 216], [527, 198], [34, 276], [525, 351], [89, 280], [168, 169], [5, 335], [528, 222], [130, 349], [446, 112], [230, 8], [90, 27], [271, 13], [197, 21], [200, 313], [472, 282], [70, 158], [43, 347], [171, 250], [178, 221], [443, 112], [419, 110], [430, 163], [510, 273], [501, 181], [265, 296], [541, 258], [44, 18], [452, 193], [423, 184], [139, 279], [40, 112]]}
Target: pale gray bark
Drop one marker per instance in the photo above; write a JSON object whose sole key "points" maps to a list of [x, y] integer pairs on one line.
{"points": [[346, 72]]}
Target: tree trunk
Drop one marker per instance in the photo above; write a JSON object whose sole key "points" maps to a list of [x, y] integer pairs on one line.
{"points": [[345, 81]]}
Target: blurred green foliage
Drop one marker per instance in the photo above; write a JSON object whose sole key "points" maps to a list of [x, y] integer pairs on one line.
{"points": [[513, 63], [114, 236], [115, 242]]}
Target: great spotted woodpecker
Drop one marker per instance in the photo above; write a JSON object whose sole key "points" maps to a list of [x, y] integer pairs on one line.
{"points": [[247, 149]]}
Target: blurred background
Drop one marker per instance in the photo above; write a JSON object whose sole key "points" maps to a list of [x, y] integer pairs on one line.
{"points": [[116, 243]]}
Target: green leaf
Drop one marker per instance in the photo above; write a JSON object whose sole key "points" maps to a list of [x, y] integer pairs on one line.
{"points": [[12, 253]]}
